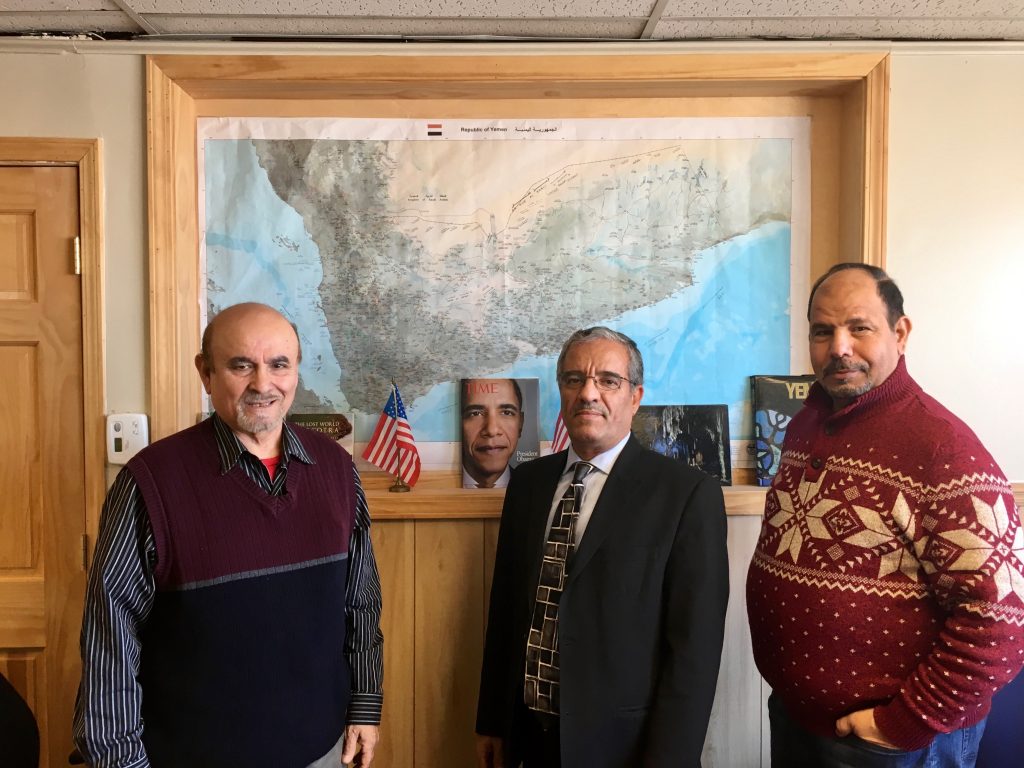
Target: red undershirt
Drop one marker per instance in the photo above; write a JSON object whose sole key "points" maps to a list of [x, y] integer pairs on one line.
{"points": [[271, 465]]}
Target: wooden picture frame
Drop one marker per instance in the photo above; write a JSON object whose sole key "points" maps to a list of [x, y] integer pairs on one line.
{"points": [[845, 94]]}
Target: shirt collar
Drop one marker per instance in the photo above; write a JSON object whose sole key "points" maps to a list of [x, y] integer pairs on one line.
{"points": [[603, 461], [468, 481], [231, 449]]}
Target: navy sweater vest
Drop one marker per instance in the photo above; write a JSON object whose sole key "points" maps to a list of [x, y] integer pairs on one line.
{"points": [[243, 653]]}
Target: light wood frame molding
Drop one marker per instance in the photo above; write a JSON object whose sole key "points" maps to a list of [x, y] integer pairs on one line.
{"points": [[183, 88], [86, 155]]}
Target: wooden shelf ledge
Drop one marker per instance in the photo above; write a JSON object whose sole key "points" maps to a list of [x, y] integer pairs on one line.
{"points": [[437, 496]]}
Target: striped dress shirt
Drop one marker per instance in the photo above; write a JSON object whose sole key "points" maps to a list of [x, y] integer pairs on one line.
{"points": [[121, 589]]}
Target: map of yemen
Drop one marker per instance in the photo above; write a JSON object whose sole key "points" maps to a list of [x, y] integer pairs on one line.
{"points": [[432, 285]]}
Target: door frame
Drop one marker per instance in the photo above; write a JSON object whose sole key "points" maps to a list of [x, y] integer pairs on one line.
{"points": [[86, 155]]}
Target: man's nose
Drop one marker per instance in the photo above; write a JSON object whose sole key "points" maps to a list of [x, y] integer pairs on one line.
{"points": [[490, 424], [260, 381], [589, 390], [842, 344]]}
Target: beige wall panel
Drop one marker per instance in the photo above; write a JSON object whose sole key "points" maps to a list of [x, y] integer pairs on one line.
{"points": [[17, 273], [734, 733], [956, 234], [19, 456], [394, 548], [449, 647]]}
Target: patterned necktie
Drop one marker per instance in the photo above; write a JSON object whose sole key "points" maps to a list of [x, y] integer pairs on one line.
{"points": [[540, 691]]}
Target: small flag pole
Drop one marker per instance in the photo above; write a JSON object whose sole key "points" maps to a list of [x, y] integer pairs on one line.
{"points": [[399, 486]]}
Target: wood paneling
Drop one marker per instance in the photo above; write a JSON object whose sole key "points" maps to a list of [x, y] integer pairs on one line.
{"points": [[490, 550], [22, 612], [17, 237], [24, 672], [448, 639], [21, 500], [394, 547]]}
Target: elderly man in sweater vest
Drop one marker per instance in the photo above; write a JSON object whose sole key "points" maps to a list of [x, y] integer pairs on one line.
{"points": [[233, 608], [886, 592]]}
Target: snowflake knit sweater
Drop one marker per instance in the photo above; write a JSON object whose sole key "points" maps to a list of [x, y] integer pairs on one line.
{"points": [[888, 572]]}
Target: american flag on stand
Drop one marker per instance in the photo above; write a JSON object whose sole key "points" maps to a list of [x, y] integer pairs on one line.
{"points": [[561, 439], [392, 447]]}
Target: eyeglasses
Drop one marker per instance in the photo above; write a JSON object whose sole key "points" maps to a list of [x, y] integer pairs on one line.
{"points": [[606, 381]]}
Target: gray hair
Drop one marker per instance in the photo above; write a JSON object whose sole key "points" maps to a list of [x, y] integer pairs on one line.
{"points": [[582, 336]]}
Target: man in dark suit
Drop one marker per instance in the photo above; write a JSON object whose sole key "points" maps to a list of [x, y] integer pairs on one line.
{"points": [[639, 608]]}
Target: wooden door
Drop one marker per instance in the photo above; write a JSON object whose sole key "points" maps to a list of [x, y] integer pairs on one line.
{"points": [[42, 461]]}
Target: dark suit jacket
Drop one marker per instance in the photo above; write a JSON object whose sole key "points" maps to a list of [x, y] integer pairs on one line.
{"points": [[641, 618]]}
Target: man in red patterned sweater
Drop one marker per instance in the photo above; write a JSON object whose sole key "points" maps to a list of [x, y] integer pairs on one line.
{"points": [[886, 593]]}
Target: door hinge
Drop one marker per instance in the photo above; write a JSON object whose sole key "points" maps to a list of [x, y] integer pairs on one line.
{"points": [[78, 255], [85, 551]]}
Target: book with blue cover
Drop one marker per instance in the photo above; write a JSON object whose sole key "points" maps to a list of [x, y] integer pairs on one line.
{"points": [[775, 400]]}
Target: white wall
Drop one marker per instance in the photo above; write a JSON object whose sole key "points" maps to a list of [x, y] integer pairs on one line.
{"points": [[956, 212], [956, 234]]}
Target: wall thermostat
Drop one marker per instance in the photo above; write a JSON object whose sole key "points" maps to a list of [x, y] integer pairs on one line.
{"points": [[127, 434]]}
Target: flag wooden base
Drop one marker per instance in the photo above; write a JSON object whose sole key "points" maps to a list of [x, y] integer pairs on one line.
{"points": [[399, 486]]}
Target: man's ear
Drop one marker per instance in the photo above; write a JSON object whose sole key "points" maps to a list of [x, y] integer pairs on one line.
{"points": [[204, 371], [637, 395], [903, 328]]}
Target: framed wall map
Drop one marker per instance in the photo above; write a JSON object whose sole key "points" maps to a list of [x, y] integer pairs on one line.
{"points": [[433, 251], [841, 95]]}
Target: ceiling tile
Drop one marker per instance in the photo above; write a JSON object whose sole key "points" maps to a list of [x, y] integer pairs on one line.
{"points": [[832, 29], [59, 6], [71, 23], [532, 28], [404, 8], [842, 9]]}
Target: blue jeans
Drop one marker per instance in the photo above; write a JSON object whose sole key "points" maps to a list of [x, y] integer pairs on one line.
{"points": [[794, 747]]}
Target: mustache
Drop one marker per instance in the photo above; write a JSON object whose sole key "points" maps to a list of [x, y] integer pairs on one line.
{"points": [[838, 366], [257, 400], [589, 409]]}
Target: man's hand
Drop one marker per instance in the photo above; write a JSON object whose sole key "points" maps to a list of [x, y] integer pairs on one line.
{"points": [[489, 752], [360, 741], [862, 725]]}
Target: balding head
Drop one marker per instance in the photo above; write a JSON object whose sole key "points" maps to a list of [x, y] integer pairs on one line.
{"points": [[241, 310]]}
